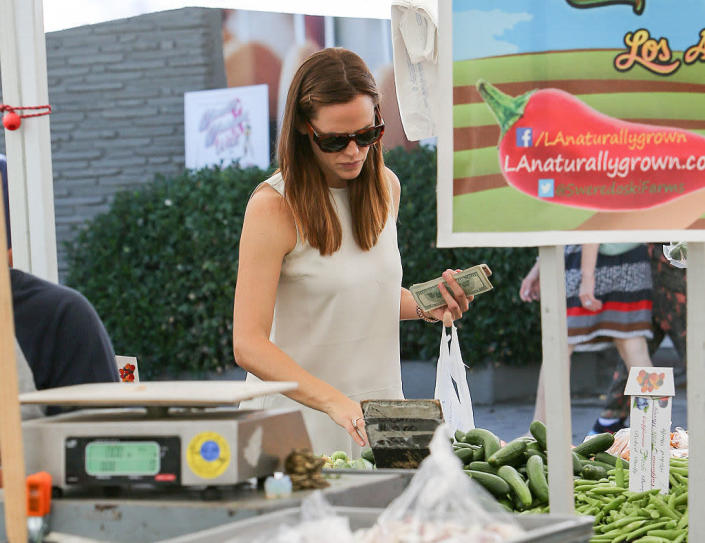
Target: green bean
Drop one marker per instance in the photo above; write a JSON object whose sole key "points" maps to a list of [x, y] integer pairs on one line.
{"points": [[645, 494], [681, 479], [667, 534], [619, 472], [604, 489], [621, 522], [681, 499], [672, 479], [640, 531], [662, 507], [683, 522], [583, 488]]}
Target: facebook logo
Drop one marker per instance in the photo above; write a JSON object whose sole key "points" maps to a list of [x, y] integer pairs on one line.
{"points": [[545, 188], [524, 137]]}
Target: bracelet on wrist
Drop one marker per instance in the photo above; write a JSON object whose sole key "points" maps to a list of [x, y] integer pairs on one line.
{"points": [[423, 316]]}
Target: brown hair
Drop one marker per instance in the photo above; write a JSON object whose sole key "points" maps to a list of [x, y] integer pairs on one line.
{"points": [[330, 76]]}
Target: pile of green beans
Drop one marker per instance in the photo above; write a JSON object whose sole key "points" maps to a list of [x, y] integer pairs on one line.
{"points": [[643, 517], [639, 517]]}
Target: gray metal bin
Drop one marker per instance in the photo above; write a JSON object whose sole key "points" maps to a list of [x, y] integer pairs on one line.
{"points": [[540, 528]]}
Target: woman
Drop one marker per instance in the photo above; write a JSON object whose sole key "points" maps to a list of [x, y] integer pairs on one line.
{"points": [[319, 297], [608, 298]]}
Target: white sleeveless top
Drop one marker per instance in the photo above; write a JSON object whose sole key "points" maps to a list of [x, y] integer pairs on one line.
{"points": [[337, 316]]}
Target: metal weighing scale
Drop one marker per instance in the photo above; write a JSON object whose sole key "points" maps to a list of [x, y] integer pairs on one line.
{"points": [[161, 434]]}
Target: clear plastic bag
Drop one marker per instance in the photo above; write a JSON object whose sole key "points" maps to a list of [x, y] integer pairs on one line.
{"points": [[319, 524], [677, 254], [443, 505], [679, 443], [620, 447]]}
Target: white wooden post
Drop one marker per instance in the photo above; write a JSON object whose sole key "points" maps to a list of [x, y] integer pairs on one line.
{"points": [[695, 350], [556, 375], [13, 472], [24, 83]]}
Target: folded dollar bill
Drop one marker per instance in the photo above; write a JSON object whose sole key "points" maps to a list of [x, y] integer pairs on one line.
{"points": [[473, 281]]}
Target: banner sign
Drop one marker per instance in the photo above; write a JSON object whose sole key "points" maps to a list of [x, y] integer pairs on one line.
{"points": [[226, 126], [572, 121]]}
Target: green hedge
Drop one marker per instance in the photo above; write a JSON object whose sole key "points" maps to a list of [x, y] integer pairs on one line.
{"points": [[160, 267]]}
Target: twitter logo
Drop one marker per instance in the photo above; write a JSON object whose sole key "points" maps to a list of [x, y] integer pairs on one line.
{"points": [[545, 188]]}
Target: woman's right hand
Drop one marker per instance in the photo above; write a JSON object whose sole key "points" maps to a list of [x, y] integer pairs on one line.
{"points": [[348, 414]]}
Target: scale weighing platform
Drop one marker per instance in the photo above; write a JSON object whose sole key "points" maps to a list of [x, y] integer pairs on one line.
{"points": [[161, 434]]}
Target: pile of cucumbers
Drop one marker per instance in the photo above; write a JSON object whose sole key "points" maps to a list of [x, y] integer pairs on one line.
{"points": [[516, 473]]}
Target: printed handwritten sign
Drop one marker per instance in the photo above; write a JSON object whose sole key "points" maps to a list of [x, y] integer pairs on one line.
{"points": [[227, 126], [651, 390], [572, 121]]}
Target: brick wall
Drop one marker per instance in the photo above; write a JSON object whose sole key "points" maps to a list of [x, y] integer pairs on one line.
{"points": [[117, 92]]}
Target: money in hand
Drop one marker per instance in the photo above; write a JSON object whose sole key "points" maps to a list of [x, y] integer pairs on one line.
{"points": [[473, 281]]}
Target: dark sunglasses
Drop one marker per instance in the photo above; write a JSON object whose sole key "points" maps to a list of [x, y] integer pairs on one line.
{"points": [[333, 143]]}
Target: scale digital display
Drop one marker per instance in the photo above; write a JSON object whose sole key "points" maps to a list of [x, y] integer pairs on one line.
{"points": [[130, 458]]}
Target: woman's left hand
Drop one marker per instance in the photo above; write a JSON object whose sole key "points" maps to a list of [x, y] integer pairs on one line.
{"points": [[456, 301], [586, 293]]}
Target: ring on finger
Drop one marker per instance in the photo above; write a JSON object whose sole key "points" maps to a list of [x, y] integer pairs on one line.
{"points": [[354, 421]]}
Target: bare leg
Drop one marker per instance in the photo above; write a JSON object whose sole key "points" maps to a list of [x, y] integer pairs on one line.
{"points": [[540, 408], [634, 351]]}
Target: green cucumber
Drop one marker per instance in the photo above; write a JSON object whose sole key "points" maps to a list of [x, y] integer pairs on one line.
{"points": [[479, 453], [578, 463], [610, 459], [496, 485], [533, 445], [593, 472], [537, 478], [465, 455], [595, 444], [538, 430], [481, 466], [459, 435], [604, 465], [532, 452], [480, 436], [510, 454], [517, 485]]}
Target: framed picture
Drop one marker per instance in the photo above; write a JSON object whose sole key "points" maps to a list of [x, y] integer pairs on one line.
{"points": [[227, 126]]}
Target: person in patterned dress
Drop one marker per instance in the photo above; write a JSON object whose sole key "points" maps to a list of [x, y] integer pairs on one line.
{"points": [[668, 318], [608, 299]]}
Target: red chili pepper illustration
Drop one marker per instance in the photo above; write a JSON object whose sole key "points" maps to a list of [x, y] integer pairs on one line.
{"points": [[556, 148]]}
